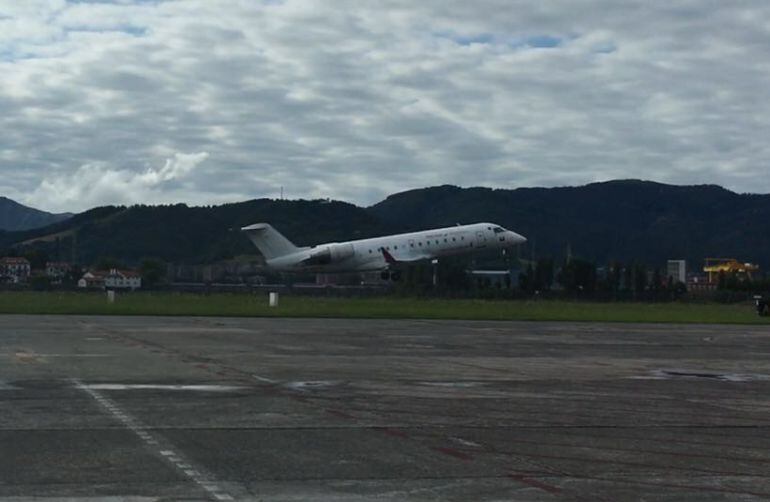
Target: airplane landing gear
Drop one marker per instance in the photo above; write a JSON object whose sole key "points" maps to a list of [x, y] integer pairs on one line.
{"points": [[388, 275]]}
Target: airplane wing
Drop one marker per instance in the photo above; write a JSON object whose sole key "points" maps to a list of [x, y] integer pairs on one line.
{"points": [[390, 260]]}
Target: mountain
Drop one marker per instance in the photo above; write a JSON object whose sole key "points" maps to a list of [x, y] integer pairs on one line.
{"points": [[183, 234], [620, 220], [14, 216]]}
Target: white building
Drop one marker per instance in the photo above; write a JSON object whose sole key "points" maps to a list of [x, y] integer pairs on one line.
{"points": [[92, 280], [57, 269], [677, 269], [15, 269], [123, 279], [114, 279]]}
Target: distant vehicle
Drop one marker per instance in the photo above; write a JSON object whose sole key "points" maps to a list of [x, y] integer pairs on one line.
{"points": [[383, 254]]}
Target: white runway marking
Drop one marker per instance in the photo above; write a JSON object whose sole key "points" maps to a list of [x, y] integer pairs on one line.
{"points": [[264, 379], [205, 481], [6, 386], [199, 388], [304, 386], [465, 442]]}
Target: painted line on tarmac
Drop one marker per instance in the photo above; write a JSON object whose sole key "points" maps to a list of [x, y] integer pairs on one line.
{"points": [[265, 379], [192, 387], [270, 385], [204, 480]]}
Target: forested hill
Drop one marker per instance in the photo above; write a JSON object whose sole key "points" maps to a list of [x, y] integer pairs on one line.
{"points": [[619, 220], [15, 216], [178, 233]]}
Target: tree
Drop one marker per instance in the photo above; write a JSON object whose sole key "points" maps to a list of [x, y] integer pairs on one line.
{"points": [[640, 277], [153, 272], [578, 276], [108, 263], [614, 275], [37, 258], [544, 274], [527, 279], [657, 280]]}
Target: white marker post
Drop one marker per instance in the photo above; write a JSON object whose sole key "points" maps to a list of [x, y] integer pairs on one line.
{"points": [[110, 296], [273, 299]]}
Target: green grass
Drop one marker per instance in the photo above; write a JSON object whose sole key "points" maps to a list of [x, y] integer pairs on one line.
{"points": [[146, 303]]}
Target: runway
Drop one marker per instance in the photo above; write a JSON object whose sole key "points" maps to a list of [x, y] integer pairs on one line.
{"points": [[143, 409]]}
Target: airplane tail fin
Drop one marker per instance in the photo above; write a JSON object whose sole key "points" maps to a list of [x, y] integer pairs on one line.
{"points": [[269, 241]]}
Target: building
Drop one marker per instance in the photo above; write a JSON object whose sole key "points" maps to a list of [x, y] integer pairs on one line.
{"points": [[15, 269], [92, 280], [495, 278], [57, 269], [123, 279], [716, 267], [677, 270], [113, 279]]}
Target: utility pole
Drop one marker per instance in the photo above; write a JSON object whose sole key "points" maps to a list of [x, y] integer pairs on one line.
{"points": [[74, 246]]}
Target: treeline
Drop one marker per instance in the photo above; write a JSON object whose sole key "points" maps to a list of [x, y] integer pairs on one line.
{"points": [[573, 278], [578, 277]]}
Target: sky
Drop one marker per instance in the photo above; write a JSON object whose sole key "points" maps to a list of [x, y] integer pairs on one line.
{"points": [[213, 101]]}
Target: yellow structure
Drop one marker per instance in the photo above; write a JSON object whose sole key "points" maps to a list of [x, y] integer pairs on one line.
{"points": [[729, 266]]}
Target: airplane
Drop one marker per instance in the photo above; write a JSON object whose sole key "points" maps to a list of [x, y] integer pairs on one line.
{"points": [[384, 254]]}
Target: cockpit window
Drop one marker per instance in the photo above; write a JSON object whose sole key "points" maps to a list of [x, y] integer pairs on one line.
{"points": [[499, 230]]}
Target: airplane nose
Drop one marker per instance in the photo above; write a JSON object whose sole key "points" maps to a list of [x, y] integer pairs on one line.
{"points": [[517, 238]]}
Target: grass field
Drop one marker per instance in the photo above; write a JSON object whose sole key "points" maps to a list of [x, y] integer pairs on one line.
{"points": [[238, 305]]}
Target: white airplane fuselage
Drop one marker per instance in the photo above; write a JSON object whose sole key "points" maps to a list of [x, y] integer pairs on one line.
{"points": [[379, 253]]}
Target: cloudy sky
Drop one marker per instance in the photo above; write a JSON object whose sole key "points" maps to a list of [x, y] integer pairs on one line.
{"points": [[208, 101]]}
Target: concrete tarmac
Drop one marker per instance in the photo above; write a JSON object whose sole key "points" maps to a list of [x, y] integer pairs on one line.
{"points": [[143, 409]]}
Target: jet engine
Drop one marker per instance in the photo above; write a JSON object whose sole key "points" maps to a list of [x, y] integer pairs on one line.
{"points": [[332, 253]]}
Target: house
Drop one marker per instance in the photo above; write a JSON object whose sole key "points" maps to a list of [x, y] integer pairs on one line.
{"points": [[15, 269], [112, 279], [57, 269], [123, 279], [92, 280]]}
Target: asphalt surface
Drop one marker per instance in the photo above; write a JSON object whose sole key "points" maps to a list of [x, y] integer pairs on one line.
{"points": [[142, 409]]}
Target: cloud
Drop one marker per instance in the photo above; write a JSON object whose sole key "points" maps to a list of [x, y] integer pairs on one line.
{"points": [[99, 184], [357, 100]]}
